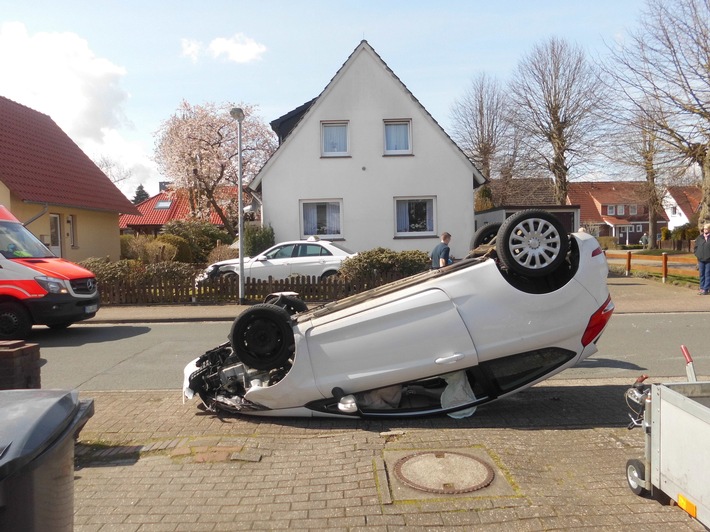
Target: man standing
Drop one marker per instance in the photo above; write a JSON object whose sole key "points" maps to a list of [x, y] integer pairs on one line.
{"points": [[440, 254], [702, 252]]}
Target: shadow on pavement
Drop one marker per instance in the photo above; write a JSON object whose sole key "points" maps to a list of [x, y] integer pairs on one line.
{"points": [[77, 335]]}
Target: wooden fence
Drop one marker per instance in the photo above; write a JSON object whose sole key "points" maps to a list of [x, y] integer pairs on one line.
{"points": [[226, 290]]}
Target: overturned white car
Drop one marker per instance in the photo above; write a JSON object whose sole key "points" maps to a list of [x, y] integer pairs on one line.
{"points": [[525, 306]]}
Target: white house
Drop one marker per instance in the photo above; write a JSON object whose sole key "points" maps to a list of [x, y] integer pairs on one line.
{"points": [[682, 204], [364, 163]]}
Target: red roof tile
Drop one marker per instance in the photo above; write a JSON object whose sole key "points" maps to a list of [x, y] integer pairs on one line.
{"points": [[40, 163], [592, 195], [177, 207], [687, 197]]}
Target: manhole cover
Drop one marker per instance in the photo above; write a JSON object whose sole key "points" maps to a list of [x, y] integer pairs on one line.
{"points": [[443, 472]]}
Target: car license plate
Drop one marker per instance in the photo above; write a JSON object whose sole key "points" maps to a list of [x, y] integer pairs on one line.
{"points": [[88, 309]]}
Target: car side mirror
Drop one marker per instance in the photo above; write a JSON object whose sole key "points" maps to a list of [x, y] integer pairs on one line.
{"points": [[261, 258]]}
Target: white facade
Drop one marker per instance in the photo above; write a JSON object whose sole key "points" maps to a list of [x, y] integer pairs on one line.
{"points": [[676, 216], [339, 174]]}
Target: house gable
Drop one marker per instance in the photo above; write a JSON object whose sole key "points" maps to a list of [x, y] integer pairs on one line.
{"points": [[681, 204], [363, 183], [39, 163]]}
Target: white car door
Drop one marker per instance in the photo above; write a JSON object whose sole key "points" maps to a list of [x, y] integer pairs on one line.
{"points": [[276, 263], [311, 259], [417, 336]]}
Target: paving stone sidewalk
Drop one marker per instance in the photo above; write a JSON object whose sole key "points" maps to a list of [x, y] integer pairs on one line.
{"points": [[146, 461]]}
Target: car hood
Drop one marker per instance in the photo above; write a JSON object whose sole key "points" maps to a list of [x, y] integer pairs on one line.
{"points": [[56, 267], [227, 262]]}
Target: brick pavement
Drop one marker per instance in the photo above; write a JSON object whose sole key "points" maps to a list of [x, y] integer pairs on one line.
{"points": [[147, 462]]}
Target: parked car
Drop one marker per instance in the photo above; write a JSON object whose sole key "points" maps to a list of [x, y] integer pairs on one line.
{"points": [[312, 257], [525, 306]]}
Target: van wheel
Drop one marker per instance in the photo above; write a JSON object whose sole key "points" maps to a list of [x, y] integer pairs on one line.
{"points": [[15, 322]]}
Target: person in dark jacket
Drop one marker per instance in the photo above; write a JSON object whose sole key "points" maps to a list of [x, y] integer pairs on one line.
{"points": [[702, 252], [440, 254]]}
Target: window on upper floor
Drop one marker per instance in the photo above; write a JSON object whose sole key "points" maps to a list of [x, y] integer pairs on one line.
{"points": [[415, 216], [674, 210], [633, 210], [335, 139], [620, 210], [611, 210], [398, 137], [322, 218], [163, 204]]}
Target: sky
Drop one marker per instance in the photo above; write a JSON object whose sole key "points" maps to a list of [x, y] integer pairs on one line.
{"points": [[110, 72]]}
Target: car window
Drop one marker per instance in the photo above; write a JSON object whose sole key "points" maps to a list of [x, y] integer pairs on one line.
{"points": [[341, 248], [281, 252], [312, 250]]}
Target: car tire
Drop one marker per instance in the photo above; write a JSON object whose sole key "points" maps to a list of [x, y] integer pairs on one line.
{"points": [[262, 337], [59, 326], [485, 234], [15, 323], [229, 274], [532, 243], [328, 275], [635, 476], [290, 304]]}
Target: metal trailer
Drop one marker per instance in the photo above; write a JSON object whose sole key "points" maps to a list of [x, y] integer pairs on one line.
{"points": [[676, 422]]}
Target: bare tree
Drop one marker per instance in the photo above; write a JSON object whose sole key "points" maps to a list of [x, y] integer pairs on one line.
{"points": [[556, 95], [113, 170], [197, 148], [668, 62], [479, 123]]}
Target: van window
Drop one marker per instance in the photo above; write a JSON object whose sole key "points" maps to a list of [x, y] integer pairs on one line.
{"points": [[16, 242]]}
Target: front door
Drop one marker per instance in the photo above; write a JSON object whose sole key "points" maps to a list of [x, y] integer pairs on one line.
{"points": [[55, 235]]}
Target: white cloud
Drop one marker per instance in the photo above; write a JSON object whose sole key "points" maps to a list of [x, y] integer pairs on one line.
{"points": [[239, 48], [191, 48], [58, 74]]}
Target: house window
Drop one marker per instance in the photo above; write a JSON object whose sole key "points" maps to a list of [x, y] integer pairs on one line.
{"points": [[398, 137], [633, 211], [322, 218], [71, 230], [620, 210], [639, 228], [611, 210], [335, 139], [163, 204], [415, 216], [673, 210]]}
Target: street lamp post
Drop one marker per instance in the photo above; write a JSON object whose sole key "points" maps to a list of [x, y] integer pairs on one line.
{"points": [[238, 115]]}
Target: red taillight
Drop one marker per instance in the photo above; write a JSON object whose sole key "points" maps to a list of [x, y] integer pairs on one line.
{"points": [[597, 322], [597, 251]]}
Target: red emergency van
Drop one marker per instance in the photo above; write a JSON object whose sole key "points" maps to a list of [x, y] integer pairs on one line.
{"points": [[36, 286]]}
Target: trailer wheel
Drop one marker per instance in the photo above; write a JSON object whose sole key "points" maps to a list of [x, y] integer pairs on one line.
{"points": [[15, 323], [635, 476]]}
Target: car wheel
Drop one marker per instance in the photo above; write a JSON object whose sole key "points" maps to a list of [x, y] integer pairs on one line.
{"points": [[532, 243], [635, 476], [58, 326], [290, 304], [229, 274], [484, 235], [15, 322], [262, 337], [328, 275]]}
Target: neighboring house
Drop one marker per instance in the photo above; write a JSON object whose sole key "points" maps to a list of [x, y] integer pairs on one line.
{"points": [[614, 208], [682, 204], [170, 205], [366, 164], [515, 195], [48, 183]]}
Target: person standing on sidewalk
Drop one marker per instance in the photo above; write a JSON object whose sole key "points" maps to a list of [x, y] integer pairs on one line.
{"points": [[702, 252], [440, 254]]}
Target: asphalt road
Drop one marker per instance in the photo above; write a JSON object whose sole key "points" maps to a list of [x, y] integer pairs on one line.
{"points": [[151, 356]]}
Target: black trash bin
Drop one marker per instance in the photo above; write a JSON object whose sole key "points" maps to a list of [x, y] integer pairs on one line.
{"points": [[37, 431]]}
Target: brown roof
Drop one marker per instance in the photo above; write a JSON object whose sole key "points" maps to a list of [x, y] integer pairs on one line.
{"points": [[39, 163], [534, 192], [687, 198]]}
